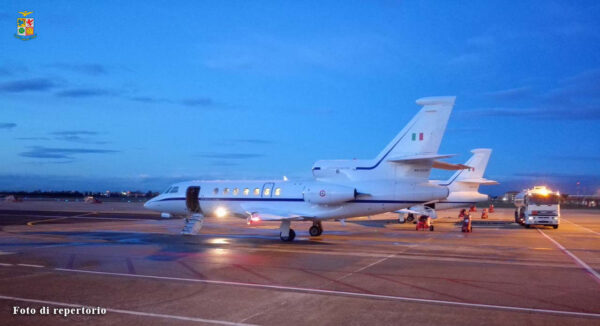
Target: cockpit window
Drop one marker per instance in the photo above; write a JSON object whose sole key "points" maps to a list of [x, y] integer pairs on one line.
{"points": [[166, 190], [174, 190], [216, 191]]}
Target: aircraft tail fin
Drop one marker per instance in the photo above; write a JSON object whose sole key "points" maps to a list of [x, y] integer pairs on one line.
{"points": [[423, 134], [470, 179]]}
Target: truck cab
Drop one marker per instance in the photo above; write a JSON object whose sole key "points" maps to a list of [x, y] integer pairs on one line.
{"points": [[538, 206]]}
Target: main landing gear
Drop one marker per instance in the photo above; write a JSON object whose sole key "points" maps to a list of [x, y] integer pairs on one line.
{"points": [[316, 229], [285, 233]]}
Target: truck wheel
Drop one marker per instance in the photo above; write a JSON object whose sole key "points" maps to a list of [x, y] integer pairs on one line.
{"points": [[527, 226], [555, 226]]}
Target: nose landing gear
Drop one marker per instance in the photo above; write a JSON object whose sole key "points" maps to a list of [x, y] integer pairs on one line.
{"points": [[285, 232], [316, 229]]}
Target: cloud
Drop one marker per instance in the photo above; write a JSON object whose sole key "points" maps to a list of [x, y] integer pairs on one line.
{"points": [[27, 85], [6, 71], [222, 163], [62, 153], [248, 141], [511, 93], [149, 99], [191, 102], [85, 92], [78, 136], [32, 138], [230, 156], [7, 125], [200, 101], [74, 132], [92, 69]]}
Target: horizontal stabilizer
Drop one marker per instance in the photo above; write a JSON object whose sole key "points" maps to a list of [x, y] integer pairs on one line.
{"points": [[449, 166], [481, 181], [418, 157]]}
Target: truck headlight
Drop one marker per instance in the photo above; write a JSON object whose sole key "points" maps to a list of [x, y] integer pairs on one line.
{"points": [[530, 218]]}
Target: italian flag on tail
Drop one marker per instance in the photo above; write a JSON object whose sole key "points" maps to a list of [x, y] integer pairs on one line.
{"points": [[414, 136]]}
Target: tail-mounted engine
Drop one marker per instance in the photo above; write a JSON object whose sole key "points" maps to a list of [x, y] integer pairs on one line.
{"points": [[328, 194]]}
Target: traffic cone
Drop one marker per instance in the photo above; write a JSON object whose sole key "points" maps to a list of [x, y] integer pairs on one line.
{"points": [[473, 209], [484, 214], [491, 208]]}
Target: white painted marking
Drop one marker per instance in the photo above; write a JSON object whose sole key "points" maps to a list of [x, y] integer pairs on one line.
{"points": [[31, 265], [128, 312], [583, 227], [374, 263], [343, 293], [364, 267], [579, 261], [6, 253], [5, 264]]}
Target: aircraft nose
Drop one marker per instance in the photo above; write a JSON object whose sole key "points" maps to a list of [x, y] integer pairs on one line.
{"points": [[149, 204]]}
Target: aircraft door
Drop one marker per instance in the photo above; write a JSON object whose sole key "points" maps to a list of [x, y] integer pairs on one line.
{"points": [[192, 202], [267, 190]]}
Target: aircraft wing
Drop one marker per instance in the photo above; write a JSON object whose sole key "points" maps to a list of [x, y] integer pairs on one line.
{"points": [[269, 214], [449, 166], [482, 181], [407, 211]]}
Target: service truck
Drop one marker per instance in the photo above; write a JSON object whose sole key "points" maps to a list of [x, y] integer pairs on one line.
{"points": [[537, 206]]}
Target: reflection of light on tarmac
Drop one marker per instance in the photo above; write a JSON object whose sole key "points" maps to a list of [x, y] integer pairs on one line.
{"points": [[220, 251], [218, 241]]}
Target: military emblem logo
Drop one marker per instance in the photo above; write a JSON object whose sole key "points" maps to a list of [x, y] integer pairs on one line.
{"points": [[25, 27]]}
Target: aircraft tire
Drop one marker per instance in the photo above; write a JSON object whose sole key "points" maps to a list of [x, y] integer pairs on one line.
{"points": [[315, 231], [289, 238]]}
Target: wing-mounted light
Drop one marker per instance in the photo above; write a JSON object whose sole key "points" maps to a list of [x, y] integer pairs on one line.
{"points": [[253, 219]]}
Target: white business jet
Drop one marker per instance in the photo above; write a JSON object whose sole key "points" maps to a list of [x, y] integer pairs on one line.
{"points": [[397, 178], [463, 186]]}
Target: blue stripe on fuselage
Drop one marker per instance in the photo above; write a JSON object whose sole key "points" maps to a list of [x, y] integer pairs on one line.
{"points": [[381, 201]]}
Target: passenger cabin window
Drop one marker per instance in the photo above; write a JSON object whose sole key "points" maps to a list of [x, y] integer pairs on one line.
{"points": [[174, 190], [277, 191], [236, 191], [246, 191], [267, 192], [226, 191], [256, 191], [216, 191]]}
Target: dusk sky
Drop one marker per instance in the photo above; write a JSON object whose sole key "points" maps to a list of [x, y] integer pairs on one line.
{"points": [[136, 95]]}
